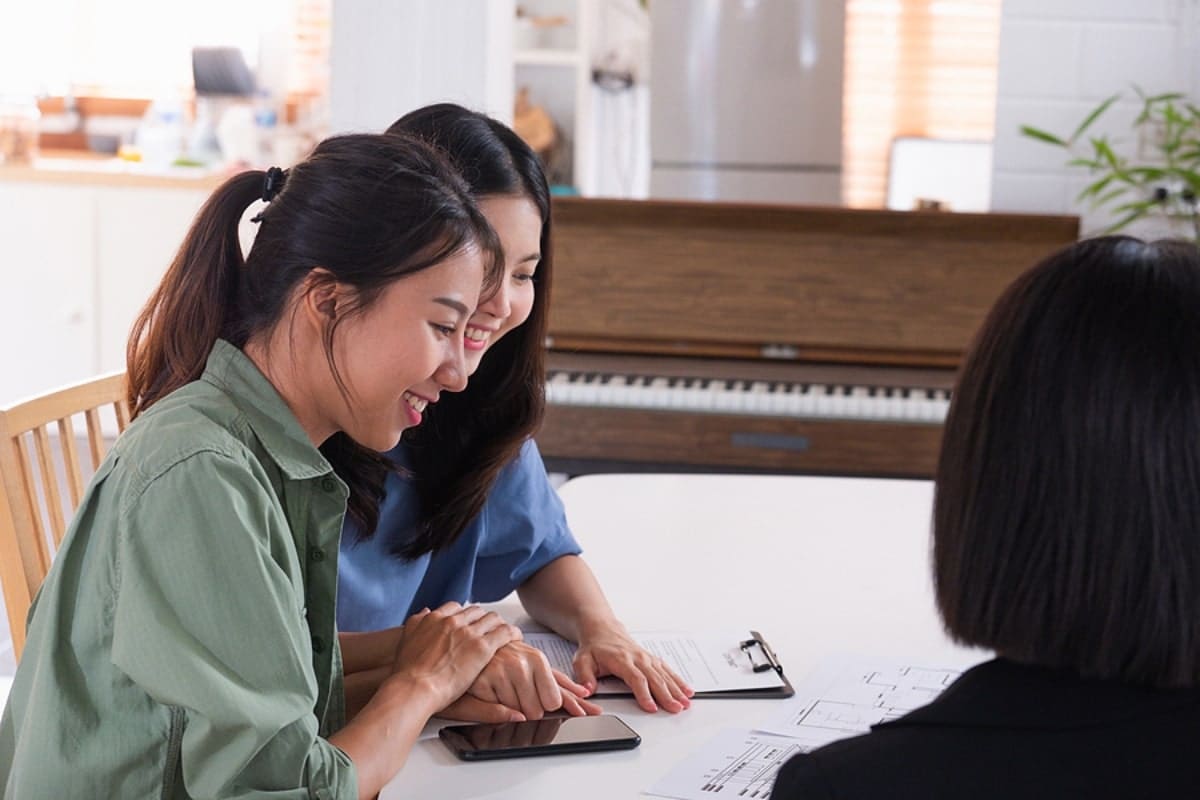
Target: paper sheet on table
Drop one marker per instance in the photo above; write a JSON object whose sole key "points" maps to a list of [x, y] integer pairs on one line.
{"points": [[737, 763], [845, 696], [708, 662]]}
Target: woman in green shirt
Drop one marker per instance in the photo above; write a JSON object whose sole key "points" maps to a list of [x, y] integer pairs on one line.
{"points": [[184, 644]]}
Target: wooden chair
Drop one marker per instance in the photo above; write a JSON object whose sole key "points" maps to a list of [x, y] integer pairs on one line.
{"points": [[34, 508]]}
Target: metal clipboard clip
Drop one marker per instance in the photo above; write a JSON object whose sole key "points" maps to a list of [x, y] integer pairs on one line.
{"points": [[769, 659]]}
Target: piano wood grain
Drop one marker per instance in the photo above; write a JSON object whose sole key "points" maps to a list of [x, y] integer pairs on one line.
{"points": [[578, 440], [872, 298]]}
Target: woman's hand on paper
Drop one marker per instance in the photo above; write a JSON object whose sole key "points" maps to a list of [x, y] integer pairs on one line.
{"points": [[609, 650], [520, 679]]}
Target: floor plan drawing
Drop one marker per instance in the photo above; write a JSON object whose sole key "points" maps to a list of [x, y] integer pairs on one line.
{"points": [[843, 697], [846, 697]]}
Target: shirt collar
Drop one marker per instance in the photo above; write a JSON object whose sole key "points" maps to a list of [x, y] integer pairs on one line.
{"points": [[1002, 693], [268, 415]]}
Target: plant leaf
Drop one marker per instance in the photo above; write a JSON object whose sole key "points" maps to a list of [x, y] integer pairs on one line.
{"points": [[1092, 117], [1108, 197], [1166, 97], [1095, 187], [1041, 135], [1141, 206], [1106, 152], [1125, 220], [1148, 174]]}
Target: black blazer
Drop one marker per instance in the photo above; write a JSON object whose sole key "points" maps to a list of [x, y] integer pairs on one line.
{"points": [[1004, 730]]}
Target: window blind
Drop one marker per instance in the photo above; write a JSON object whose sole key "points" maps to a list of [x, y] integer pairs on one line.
{"points": [[913, 68]]}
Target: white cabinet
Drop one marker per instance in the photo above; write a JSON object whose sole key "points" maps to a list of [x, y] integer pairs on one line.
{"points": [[79, 260], [554, 63], [138, 231], [48, 284]]}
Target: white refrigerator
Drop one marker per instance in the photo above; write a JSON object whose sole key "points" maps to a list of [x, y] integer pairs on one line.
{"points": [[746, 100]]}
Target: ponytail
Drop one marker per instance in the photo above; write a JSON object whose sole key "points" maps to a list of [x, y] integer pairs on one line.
{"points": [[368, 209], [194, 304]]}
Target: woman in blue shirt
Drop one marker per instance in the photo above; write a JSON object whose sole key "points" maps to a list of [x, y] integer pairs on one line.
{"points": [[470, 513]]}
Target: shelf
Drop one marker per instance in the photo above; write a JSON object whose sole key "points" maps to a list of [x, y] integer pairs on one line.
{"points": [[549, 58]]}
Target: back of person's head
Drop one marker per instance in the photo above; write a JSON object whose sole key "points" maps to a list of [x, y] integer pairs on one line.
{"points": [[366, 210], [1067, 510], [467, 438]]}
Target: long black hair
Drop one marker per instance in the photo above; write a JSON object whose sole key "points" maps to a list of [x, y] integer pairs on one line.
{"points": [[367, 209], [468, 437]]}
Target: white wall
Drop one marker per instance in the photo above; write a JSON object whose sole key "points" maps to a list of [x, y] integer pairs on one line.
{"points": [[1058, 60], [388, 57]]}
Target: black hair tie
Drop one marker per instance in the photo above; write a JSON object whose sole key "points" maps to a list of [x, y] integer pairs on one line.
{"points": [[272, 184]]}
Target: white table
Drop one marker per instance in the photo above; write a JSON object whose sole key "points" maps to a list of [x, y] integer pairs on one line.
{"points": [[820, 566]]}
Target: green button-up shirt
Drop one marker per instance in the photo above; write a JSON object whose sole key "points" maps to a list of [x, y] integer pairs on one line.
{"points": [[184, 643]]}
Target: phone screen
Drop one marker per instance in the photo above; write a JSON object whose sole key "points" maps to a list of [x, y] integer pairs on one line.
{"points": [[539, 737]]}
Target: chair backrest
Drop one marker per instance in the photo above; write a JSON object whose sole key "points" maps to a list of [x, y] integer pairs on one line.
{"points": [[39, 458]]}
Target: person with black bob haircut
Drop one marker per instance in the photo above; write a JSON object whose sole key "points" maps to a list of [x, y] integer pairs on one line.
{"points": [[1066, 538]]}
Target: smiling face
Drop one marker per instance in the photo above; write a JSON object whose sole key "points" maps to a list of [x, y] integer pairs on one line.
{"points": [[400, 353], [518, 223]]}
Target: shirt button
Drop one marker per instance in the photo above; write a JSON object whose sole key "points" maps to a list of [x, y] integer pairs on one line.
{"points": [[316, 554], [318, 644], [328, 484]]}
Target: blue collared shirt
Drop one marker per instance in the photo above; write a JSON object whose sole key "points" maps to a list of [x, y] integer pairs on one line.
{"points": [[521, 528]]}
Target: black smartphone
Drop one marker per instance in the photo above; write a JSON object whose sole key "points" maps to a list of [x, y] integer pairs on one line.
{"points": [[539, 737]]}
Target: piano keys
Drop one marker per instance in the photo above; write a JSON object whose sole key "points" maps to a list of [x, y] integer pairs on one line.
{"points": [[729, 337], [812, 398]]}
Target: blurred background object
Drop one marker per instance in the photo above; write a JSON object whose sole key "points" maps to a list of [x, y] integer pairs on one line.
{"points": [[224, 127], [722, 75], [533, 124], [18, 129], [956, 175]]}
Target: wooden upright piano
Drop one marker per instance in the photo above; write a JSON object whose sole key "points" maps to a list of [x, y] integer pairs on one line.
{"points": [[754, 338]]}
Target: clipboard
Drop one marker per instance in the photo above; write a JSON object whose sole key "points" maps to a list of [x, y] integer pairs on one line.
{"points": [[760, 658]]}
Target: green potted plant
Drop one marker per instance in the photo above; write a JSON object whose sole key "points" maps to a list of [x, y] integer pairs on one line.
{"points": [[1165, 180]]}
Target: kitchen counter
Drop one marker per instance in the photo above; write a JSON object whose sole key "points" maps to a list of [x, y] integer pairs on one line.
{"points": [[83, 168]]}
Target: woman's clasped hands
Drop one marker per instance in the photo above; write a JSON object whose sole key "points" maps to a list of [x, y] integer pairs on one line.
{"points": [[480, 670], [476, 662]]}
